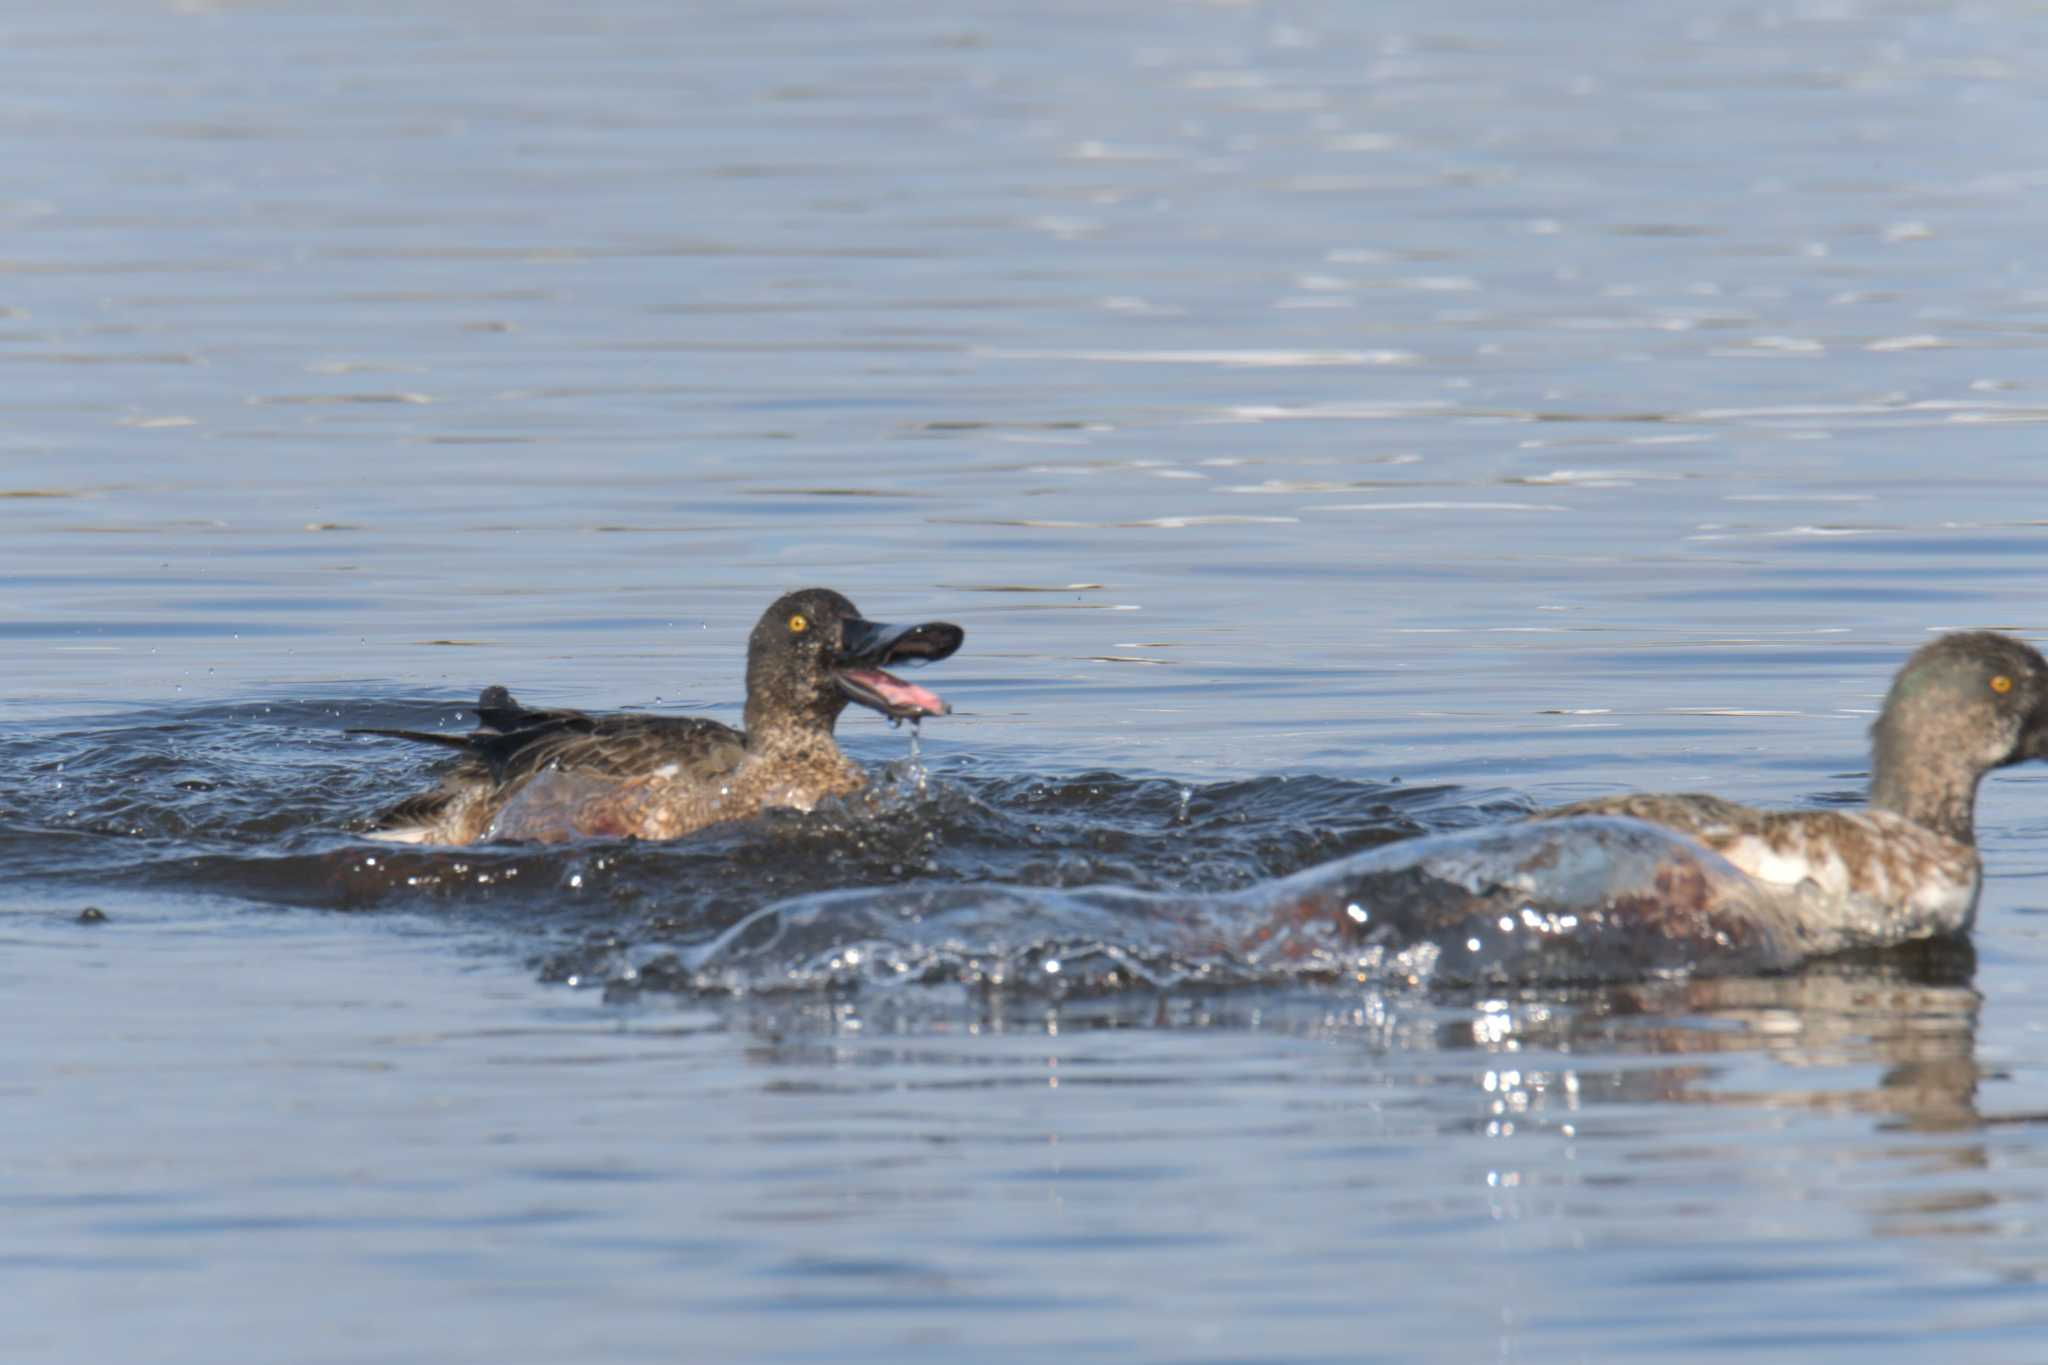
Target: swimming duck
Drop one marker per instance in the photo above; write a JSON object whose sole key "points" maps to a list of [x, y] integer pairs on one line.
{"points": [[1960, 706], [549, 775]]}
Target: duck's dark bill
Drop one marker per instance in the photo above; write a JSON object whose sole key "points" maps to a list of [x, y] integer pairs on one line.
{"points": [[866, 643], [892, 696]]}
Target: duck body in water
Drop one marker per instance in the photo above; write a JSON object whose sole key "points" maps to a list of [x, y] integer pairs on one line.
{"points": [[1691, 882], [550, 775], [1960, 707]]}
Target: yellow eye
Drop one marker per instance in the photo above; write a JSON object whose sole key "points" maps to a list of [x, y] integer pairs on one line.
{"points": [[2001, 684], [797, 626]]}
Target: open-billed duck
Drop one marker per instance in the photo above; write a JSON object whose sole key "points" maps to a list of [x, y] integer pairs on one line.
{"points": [[558, 774]]}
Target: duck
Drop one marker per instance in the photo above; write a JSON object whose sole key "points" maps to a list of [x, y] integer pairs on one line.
{"points": [[1958, 708], [1655, 885], [547, 776]]}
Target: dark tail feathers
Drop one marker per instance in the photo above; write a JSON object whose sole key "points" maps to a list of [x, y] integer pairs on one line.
{"points": [[497, 708], [500, 710]]}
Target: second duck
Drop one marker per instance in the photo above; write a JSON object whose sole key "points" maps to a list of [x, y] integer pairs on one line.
{"points": [[558, 774]]}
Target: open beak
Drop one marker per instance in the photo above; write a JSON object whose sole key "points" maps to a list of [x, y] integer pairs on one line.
{"points": [[864, 646]]}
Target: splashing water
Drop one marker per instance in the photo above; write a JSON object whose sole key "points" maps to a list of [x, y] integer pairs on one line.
{"points": [[1556, 901], [971, 875], [915, 769]]}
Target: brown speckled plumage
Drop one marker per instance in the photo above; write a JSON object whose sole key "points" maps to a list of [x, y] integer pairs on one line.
{"points": [[1961, 706], [547, 775]]}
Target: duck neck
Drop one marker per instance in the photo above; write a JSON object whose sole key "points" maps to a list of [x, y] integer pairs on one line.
{"points": [[790, 762], [1933, 785], [784, 735], [789, 720]]}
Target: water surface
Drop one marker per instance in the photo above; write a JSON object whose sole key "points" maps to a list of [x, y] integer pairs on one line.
{"points": [[1330, 423]]}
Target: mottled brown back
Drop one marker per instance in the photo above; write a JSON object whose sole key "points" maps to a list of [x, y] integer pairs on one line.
{"points": [[515, 742]]}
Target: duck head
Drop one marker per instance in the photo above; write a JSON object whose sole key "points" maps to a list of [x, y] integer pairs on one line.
{"points": [[812, 652], [1961, 706]]}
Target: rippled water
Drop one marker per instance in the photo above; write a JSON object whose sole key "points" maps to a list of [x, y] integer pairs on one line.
{"points": [[1331, 424]]}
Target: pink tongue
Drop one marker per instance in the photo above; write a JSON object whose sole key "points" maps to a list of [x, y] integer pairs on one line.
{"points": [[899, 693]]}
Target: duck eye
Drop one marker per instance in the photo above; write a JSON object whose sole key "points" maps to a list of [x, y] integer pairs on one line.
{"points": [[2001, 684], [798, 625]]}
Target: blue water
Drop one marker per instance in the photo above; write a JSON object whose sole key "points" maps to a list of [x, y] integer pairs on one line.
{"points": [[1330, 423]]}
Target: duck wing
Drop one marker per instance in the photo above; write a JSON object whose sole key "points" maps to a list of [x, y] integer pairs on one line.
{"points": [[612, 747], [1853, 859], [513, 742]]}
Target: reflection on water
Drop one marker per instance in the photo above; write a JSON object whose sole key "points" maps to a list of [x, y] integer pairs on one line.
{"points": [[1806, 1128], [1912, 1015]]}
